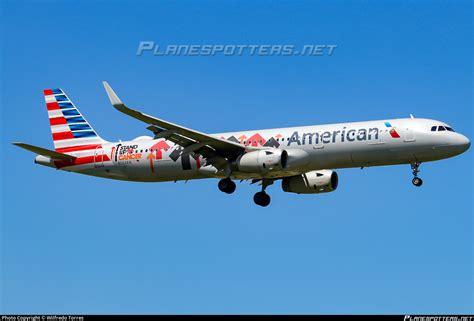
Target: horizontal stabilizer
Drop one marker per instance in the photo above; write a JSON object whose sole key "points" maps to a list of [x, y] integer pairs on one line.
{"points": [[44, 151]]}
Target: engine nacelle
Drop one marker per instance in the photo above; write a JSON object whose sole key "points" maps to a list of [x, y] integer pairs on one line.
{"points": [[262, 161], [313, 182]]}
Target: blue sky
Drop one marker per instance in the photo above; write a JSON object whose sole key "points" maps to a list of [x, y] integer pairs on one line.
{"points": [[78, 244]]}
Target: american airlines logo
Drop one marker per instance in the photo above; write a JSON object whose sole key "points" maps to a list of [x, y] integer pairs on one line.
{"points": [[317, 137], [343, 135], [393, 131]]}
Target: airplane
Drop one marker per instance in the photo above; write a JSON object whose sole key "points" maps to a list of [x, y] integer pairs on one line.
{"points": [[303, 158]]}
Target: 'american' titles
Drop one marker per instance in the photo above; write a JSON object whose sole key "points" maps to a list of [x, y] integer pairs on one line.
{"points": [[328, 137]]}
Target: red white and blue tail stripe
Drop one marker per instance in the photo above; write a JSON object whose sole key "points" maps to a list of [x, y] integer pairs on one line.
{"points": [[71, 131]]}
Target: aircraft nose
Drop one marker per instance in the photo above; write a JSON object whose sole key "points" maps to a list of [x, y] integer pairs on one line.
{"points": [[463, 143]]}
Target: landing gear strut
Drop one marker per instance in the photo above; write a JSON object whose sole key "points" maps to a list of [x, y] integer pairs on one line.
{"points": [[262, 198], [416, 180], [226, 185]]}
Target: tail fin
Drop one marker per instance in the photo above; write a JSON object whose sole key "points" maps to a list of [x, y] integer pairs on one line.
{"points": [[71, 131]]}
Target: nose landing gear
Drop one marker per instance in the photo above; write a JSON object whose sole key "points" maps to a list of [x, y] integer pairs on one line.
{"points": [[416, 180]]}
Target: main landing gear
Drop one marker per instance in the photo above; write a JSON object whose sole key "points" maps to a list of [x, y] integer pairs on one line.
{"points": [[226, 185], [262, 198], [416, 180]]}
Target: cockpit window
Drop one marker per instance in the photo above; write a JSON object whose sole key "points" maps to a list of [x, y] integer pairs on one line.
{"points": [[441, 129]]}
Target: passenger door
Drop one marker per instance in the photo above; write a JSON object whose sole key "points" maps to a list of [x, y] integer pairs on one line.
{"points": [[99, 157], [409, 135]]}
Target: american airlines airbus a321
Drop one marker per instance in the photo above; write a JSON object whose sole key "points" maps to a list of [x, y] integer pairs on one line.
{"points": [[303, 158]]}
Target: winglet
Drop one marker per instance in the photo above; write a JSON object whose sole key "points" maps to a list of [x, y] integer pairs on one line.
{"points": [[114, 100]]}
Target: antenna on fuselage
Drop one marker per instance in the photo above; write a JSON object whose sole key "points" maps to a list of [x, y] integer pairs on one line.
{"points": [[412, 117]]}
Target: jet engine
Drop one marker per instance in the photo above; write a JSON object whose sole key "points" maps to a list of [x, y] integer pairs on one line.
{"points": [[264, 160], [313, 182]]}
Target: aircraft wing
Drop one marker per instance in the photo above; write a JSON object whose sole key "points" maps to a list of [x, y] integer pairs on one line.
{"points": [[210, 147]]}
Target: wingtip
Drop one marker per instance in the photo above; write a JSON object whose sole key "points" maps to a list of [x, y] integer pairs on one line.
{"points": [[114, 99]]}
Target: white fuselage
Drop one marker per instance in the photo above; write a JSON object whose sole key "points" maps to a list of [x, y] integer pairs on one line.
{"points": [[344, 145]]}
